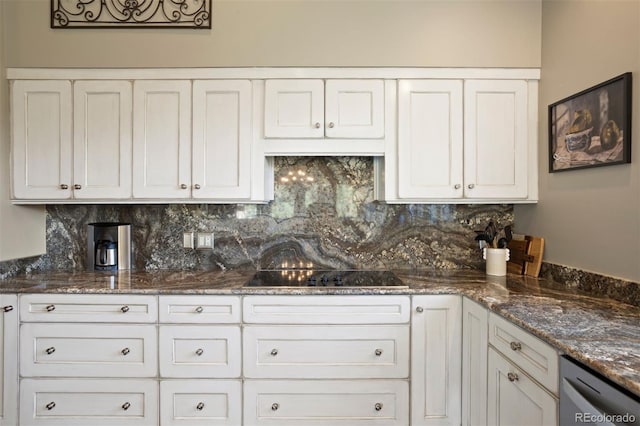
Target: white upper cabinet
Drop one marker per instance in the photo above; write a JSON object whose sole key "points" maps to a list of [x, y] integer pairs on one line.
{"points": [[162, 139], [222, 139], [102, 139], [294, 109], [354, 109], [41, 114]]}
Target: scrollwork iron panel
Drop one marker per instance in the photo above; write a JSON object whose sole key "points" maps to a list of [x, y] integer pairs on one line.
{"points": [[131, 13]]}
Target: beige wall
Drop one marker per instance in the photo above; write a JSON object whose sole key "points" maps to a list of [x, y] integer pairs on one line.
{"points": [[472, 33], [590, 218]]}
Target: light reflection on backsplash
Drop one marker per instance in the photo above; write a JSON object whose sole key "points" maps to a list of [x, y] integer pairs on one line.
{"points": [[331, 221]]}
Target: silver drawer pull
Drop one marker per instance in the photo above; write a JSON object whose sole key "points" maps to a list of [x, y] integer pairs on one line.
{"points": [[199, 351], [199, 309], [513, 377], [331, 125], [471, 186], [274, 352], [378, 352], [200, 406], [125, 351], [419, 309], [50, 405], [124, 309], [275, 406], [317, 125], [378, 406], [515, 346], [50, 308], [183, 186], [76, 186], [7, 308], [126, 406], [196, 186], [64, 186], [50, 350]]}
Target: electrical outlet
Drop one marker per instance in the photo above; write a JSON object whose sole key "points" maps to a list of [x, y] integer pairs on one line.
{"points": [[188, 241], [204, 240]]}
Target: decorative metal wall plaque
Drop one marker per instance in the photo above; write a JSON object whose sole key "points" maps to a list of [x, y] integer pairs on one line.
{"points": [[131, 13]]}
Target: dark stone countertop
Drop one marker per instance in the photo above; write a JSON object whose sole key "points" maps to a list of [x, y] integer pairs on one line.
{"points": [[602, 333]]}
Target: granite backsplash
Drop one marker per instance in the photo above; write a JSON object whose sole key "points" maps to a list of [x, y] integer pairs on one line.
{"points": [[326, 217]]}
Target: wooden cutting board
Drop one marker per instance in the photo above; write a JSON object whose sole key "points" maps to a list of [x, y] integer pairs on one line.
{"points": [[525, 255]]}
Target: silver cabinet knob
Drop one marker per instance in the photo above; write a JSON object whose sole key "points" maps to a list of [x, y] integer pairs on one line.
{"points": [[275, 406], [125, 351], [199, 351], [378, 352], [76, 186], [513, 377], [419, 309], [200, 406], [331, 125], [7, 308], [50, 308], [64, 186], [317, 125], [457, 186], [515, 346], [471, 186], [183, 186], [378, 406], [274, 352], [196, 186], [124, 309], [50, 350], [126, 406], [50, 405], [199, 309]]}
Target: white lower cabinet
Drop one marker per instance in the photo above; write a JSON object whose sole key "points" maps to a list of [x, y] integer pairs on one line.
{"points": [[200, 402], [326, 402], [475, 325], [8, 359]]}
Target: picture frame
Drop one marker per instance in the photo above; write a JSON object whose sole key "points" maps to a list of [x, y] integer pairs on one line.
{"points": [[592, 128]]}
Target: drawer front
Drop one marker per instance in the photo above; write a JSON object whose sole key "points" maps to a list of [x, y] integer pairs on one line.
{"points": [[88, 350], [326, 351], [200, 351], [200, 402], [84, 402], [326, 402], [529, 353], [199, 309], [326, 309], [88, 308]]}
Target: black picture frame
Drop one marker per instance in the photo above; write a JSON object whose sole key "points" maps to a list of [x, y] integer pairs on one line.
{"points": [[592, 128]]}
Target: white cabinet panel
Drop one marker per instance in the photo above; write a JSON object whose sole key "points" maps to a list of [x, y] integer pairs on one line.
{"points": [[515, 399], [82, 402], [8, 359], [41, 115], [102, 139], [326, 402], [475, 326], [200, 402], [162, 139], [222, 139], [354, 109], [199, 309], [294, 109], [436, 346]]}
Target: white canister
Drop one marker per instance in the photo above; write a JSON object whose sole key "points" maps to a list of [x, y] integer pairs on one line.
{"points": [[496, 260]]}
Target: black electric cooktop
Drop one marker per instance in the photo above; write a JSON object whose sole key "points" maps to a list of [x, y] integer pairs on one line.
{"points": [[324, 278]]}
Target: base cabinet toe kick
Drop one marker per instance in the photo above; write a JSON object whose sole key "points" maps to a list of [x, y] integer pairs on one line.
{"points": [[212, 360]]}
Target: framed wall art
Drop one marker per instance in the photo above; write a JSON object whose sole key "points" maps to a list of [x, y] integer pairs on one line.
{"points": [[592, 128]]}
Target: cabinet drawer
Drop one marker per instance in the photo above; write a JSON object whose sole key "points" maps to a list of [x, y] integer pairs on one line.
{"points": [[529, 353], [326, 309], [326, 351], [199, 309], [200, 351], [88, 350], [88, 308], [84, 402], [200, 402], [326, 402]]}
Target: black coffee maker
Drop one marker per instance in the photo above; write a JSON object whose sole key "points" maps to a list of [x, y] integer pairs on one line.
{"points": [[108, 246]]}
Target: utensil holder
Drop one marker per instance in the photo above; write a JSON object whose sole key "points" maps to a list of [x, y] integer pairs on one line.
{"points": [[496, 260]]}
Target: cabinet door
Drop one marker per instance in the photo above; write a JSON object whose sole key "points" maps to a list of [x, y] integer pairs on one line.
{"points": [[162, 139], [515, 399], [436, 338], [42, 143], [294, 109], [474, 363], [354, 109], [222, 139], [430, 139], [102, 139], [8, 360], [495, 129]]}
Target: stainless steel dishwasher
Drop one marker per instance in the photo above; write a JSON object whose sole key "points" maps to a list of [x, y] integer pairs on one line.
{"points": [[588, 398]]}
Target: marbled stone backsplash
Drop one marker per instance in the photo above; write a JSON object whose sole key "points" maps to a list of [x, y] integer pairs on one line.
{"points": [[327, 217]]}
